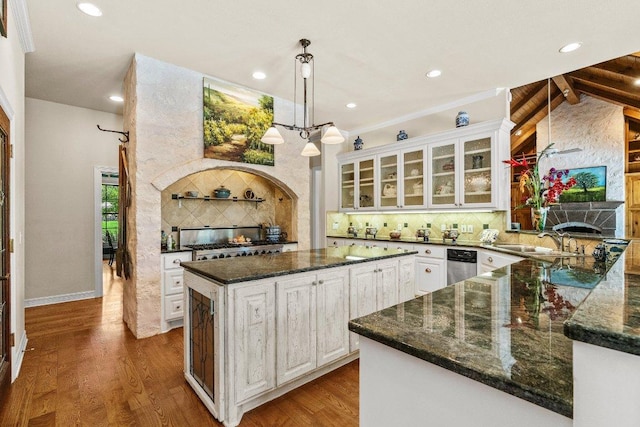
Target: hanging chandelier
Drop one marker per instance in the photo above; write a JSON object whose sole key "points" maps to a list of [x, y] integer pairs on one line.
{"points": [[332, 135]]}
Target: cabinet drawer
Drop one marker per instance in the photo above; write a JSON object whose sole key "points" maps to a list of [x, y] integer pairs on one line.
{"points": [[173, 307], [173, 281], [431, 251], [173, 260]]}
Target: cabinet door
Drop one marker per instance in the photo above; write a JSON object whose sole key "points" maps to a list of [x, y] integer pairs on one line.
{"points": [[366, 184], [254, 339], [388, 190], [347, 186], [443, 174], [296, 327], [413, 179], [332, 302], [430, 274], [406, 282], [387, 284], [476, 179], [362, 298]]}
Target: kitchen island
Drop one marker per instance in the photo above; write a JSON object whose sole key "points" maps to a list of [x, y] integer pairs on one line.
{"points": [[257, 327], [498, 350]]}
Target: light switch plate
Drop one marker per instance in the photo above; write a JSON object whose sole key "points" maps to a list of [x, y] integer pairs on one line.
{"points": [[469, 228], [463, 228], [335, 225]]}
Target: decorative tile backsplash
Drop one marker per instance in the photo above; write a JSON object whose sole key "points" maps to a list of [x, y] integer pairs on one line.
{"points": [[409, 223], [222, 213]]}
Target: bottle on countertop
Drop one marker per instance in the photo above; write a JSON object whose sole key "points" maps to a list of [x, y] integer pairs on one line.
{"points": [[171, 244], [163, 240]]}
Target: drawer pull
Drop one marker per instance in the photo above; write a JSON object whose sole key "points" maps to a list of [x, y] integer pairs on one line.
{"points": [[490, 259], [427, 251], [320, 282], [176, 261], [427, 270], [178, 307]]}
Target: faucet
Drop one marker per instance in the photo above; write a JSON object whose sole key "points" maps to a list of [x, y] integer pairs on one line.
{"points": [[558, 239]]}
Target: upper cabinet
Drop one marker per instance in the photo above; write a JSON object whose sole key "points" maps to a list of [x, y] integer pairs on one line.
{"points": [[457, 169]]}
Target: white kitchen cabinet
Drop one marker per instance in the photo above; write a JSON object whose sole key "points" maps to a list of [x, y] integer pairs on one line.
{"points": [[406, 280], [312, 322], [455, 169], [430, 268], [358, 184], [489, 260], [172, 285], [253, 339], [372, 287]]}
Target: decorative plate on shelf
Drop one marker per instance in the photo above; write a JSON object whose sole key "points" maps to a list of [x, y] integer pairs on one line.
{"points": [[249, 194]]}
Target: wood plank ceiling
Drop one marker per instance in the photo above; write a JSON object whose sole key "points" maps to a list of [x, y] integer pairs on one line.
{"points": [[615, 81]]}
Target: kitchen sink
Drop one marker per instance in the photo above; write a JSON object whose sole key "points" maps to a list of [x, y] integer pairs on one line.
{"points": [[535, 250]]}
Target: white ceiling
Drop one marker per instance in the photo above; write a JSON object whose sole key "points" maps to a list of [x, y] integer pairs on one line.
{"points": [[373, 53]]}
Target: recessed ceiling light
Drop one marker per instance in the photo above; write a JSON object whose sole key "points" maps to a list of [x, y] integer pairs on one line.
{"points": [[570, 47], [637, 82], [259, 75], [434, 73], [89, 8], [116, 98], [352, 105], [519, 132]]}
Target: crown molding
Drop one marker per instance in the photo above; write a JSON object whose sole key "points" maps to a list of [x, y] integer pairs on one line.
{"points": [[6, 105], [22, 24]]}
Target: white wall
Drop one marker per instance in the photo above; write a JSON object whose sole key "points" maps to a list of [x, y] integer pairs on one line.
{"points": [[12, 51], [63, 145]]}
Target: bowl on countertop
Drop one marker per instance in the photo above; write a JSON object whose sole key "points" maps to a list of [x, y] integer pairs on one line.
{"points": [[394, 234], [191, 194]]}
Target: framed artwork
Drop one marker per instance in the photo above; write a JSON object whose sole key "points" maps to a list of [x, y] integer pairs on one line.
{"points": [[3, 18], [235, 118], [591, 185]]}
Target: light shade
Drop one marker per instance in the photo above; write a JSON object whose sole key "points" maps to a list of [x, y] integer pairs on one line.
{"points": [[310, 150], [332, 136], [272, 136]]}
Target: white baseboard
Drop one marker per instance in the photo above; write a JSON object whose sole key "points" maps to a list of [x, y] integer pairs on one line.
{"points": [[18, 355], [56, 299]]}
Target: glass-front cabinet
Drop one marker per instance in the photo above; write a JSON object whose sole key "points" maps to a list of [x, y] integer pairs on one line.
{"points": [[358, 184], [453, 169]]}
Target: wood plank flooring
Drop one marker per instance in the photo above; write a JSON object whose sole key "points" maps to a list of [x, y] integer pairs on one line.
{"points": [[83, 367]]}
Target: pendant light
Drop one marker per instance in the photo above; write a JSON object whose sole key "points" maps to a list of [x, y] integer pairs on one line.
{"points": [[331, 135]]}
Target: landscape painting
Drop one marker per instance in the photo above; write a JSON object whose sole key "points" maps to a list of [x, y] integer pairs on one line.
{"points": [[591, 185], [235, 118]]}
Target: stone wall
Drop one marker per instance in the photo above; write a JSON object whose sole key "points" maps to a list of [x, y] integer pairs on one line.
{"points": [[164, 117]]}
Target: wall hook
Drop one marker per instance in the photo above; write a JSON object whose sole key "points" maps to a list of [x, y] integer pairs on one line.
{"points": [[126, 134]]}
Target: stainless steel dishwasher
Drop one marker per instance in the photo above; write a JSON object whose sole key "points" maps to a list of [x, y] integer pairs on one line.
{"points": [[461, 265]]}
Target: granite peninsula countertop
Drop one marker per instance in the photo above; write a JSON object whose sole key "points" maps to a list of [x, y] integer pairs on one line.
{"points": [[242, 269], [507, 328]]}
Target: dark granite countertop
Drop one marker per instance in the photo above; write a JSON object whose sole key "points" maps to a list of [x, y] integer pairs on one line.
{"points": [[243, 269], [504, 328]]}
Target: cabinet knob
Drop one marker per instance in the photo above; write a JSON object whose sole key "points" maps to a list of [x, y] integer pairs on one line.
{"points": [[427, 270], [176, 261], [490, 259], [314, 283], [320, 282], [427, 251]]}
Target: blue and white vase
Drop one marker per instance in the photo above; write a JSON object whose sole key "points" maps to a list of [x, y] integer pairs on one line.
{"points": [[358, 144], [402, 135], [462, 119]]}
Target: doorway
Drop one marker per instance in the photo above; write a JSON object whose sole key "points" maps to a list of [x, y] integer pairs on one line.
{"points": [[106, 219], [5, 276]]}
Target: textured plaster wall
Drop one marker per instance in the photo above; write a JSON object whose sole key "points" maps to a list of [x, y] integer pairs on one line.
{"points": [[164, 115], [598, 128]]}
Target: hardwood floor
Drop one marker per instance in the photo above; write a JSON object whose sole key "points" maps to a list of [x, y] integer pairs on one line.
{"points": [[83, 367]]}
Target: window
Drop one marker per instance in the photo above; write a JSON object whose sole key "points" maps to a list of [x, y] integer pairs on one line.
{"points": [[110, 198]]}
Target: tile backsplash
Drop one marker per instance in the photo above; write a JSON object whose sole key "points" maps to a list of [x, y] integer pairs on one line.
{"points": [[472, 222], [277, 207]]}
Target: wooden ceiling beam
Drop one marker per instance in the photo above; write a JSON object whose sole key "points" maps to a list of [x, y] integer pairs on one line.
{"points": [[637, 54], [541, 109], [539, 87], [567, 89], [606, 95], [631, 112], [626, 66], [604, 83], [518, 141]]}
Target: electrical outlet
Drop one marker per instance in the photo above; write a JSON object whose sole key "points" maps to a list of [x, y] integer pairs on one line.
{"points": [[485, 226], [443, 227], [455, 226], [463, 228], [336, 225], [399, 227], [406, 224], [428, 225], [469, 228]]}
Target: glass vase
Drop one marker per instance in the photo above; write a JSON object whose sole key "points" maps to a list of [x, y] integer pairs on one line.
{"points": [[539, 218]]}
